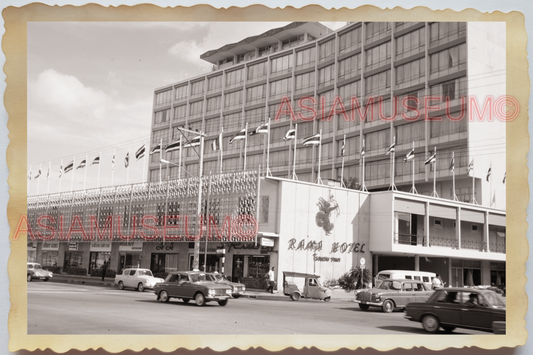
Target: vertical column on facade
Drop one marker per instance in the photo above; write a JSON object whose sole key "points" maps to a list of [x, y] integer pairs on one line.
{"points": [[392, 86], [362, 95], [334, 144], [221, 115], [417, 262], [426, 224], [458, 227], [375, 265], [267, 97], [486, 234], [202, 126], [315, 95], [243, 105], [426, 94], [170, 127], [293, 88]]}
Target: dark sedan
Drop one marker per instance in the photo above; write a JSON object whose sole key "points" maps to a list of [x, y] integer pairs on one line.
{"points": [[192, 285], [456, 307]]}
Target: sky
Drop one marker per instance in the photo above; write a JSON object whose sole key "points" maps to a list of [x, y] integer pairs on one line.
{"points": [[91, 86]]}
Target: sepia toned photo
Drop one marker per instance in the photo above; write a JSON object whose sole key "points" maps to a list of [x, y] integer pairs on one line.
{"points": [[298, 179]]}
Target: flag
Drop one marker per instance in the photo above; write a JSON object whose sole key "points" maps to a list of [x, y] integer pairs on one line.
{"points": [[29, 175], [291, 134], [82, 164], [171, 147], [312, 140], [240, 135], [504, 177], [489, 172], [157, 149], [61, 170], [343, 150], [113, 162], [127, 160], [96, 160], [69, 167], [470, 167], [261, 129], [140, 152], [48, 174], [431, 159], [409, 155], [452, 164], [193, 142], [38, 174], [391, 148], [217, 143], [362, 151]]}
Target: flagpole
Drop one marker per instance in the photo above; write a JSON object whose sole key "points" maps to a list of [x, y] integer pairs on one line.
{"points": [[39, 181], [113, 168], [294, 177], [490, 177], [319, 179], [453, 177], [245, 143], [474, 201], [393, 186], [147, 154], [60, 174], [434, 193], [342, 165], [128, 167], [363, 186], [413, 188], [99, 163], [28, 180], [179, 158], [221, 142], [48, 178], [73, 172], [86, 167], [268, 173], [161, 156]]}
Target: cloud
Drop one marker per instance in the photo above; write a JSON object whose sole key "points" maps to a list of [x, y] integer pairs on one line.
{"points": [[188, 50]]}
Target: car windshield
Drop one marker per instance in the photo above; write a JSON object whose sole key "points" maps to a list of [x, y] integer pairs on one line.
{"points": [[37, 266], [494, 299], [145, 273], [197, 277], [390, 285], [218, 277]]}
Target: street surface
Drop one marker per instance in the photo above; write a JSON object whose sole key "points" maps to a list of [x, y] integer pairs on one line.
{"points": [[55, 308]]}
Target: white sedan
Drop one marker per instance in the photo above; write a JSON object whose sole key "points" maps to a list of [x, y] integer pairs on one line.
{"points": [[139, 279]]}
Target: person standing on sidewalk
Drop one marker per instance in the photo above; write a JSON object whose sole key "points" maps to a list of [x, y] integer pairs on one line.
{"points": [[271, 280], [104, 269]]}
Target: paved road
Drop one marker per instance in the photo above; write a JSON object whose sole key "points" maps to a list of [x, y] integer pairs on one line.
{"points": [[78, 309]]}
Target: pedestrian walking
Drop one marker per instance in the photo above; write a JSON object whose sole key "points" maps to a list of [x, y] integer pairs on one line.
{"points": [[271, 280], [437, 282], [104, 269]]}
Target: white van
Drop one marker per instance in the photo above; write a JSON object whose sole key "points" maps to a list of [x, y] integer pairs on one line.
{"points": [[424, 276]]}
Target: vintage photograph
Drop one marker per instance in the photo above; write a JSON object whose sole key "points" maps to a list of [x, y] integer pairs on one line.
{"points": [[291, 178]]}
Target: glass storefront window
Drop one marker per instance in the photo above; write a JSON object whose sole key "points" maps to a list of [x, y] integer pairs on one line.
{"points": [[50, 258], [98, 259], [72, 259]]}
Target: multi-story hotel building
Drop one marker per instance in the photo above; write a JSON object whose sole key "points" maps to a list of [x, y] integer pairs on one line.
{"points": [[385, 61]]}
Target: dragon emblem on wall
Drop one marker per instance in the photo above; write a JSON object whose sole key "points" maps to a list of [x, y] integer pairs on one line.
{"points": [[325, 210]]}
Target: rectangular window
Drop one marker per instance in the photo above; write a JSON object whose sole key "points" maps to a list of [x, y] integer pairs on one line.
{"points": [[444, 32], [163, 97], [162, 116], [448, 61], [234, 77], [305, 82], [411, 73], [326, 76], [280, 88], [411, 43], [349, 67], [256, 94], [214, 83], [305, 58], [257, 72], [233, 99], [196, 108], [197, 88], [377, 30], [326, 51], [378, 84], [281, 64], [213, 104], [181, 92], [350, 40], [180, 112], [378, 56]]}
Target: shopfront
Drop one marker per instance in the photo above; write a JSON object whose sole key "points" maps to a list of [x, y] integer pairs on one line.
{"points": [[50, 253], [130, 255], [73, 257], [32, 252], [100, 252], [164, 257]]}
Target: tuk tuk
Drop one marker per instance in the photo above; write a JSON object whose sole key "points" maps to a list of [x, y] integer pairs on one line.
{"points": [[297, 284]]}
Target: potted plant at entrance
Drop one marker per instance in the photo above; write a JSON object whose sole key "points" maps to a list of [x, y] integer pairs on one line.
{"points": [[355, 280]]}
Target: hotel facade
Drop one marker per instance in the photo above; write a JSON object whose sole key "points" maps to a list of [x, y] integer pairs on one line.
{"points": [[305, 226]]}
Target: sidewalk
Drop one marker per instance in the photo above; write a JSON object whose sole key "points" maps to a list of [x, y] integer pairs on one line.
{"points": [[337, 294]]}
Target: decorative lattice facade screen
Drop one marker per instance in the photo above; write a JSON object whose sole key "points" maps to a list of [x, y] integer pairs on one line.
{"points": [[157, 211]]}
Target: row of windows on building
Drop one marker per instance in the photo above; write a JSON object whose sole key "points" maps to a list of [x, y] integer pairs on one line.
{"points": [[378, 56]]}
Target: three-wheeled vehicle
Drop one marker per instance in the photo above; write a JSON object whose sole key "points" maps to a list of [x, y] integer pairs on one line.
{"points": [[298, 284]]}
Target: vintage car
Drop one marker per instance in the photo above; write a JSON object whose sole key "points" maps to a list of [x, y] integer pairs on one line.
{"points": [[391, 294], [298, 284], [192, 285], [139, 279], [237, 289], [459, 307], [35, 271]]}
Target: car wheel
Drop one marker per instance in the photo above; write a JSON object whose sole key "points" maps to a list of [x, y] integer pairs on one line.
{"points": [[295, 296], [29, 278], [120, 285], [223, 303], [364, 307], [236, 295], [327, 299], [388, 306], [448, 329], [140, 287], [430, 323], [185, 300], [163, 296], [46, 279], [200, 299]]}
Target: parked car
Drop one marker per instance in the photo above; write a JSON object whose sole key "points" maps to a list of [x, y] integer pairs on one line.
{"points": [[426, 277], [458, 307], [139, 279], [192, 285], [391, 294], [237, 289], [35, 271]]}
